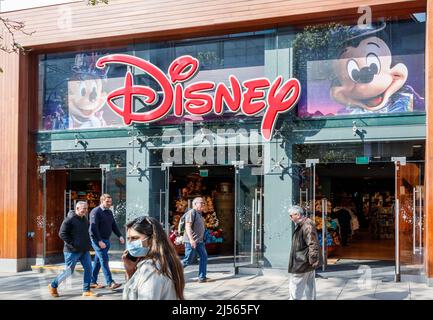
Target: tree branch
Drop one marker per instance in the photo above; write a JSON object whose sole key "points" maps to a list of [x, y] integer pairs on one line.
{"points": [[8, 42], [12, 27]]}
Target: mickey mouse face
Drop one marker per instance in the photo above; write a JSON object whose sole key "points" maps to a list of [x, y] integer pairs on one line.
{"points": [[85, 96], [365, 75]]}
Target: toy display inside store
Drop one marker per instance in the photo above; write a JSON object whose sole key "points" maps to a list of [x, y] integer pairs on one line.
{"points": [[332, 234], [85, 186], [218, 208]]}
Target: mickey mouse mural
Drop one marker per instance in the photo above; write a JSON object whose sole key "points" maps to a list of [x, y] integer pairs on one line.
{"points": [[367, 79], [368, 69], [86, 95]]}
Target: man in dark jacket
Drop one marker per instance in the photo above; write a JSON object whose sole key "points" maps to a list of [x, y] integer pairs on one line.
{"points": [[74, 232], [304, 256], [102, 224]]}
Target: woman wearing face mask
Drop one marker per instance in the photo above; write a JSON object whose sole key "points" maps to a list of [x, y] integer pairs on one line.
{"points": [[153, 268]]}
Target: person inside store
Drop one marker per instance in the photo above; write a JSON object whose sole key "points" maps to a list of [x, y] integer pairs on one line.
{"points": [[74, 233], [153, 268], [342, 214], [194, 239], [304, 257], [102, 224]]}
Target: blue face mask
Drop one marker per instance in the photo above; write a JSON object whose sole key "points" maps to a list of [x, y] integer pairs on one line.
{"points": [[136, 249]]}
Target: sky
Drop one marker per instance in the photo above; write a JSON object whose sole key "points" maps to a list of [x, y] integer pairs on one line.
{"points": [[11, 5]]}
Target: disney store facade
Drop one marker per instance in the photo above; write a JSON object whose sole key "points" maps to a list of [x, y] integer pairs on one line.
{"points": [[320, 113]]}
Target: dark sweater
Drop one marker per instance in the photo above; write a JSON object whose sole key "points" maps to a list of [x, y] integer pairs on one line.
{"points": [[74, 232], [102, 223]]}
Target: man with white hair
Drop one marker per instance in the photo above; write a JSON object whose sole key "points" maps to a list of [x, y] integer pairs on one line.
{"points": [[74, 233], [194, 238], [304, 256]]}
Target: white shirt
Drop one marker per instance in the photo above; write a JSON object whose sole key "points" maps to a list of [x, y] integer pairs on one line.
{"points": [[147, 284]]}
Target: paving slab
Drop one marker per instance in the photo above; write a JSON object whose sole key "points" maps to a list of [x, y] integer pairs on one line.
{"points": [[392, 291], [227, 286]]}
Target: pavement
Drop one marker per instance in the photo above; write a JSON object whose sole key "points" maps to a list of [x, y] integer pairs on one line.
{"points": [[366, 282]]}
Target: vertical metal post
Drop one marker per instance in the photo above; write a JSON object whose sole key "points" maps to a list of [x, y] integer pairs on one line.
{"points": [[44, 216], [324, 234], [308, 164], [103, 180], [397, 242], [160, 205], [314, 192], [235, 267], [414, 219], [260, 229], [253, 226], [65, 213], [167, 184], [420, 219], [398, 161], [306, 197]]}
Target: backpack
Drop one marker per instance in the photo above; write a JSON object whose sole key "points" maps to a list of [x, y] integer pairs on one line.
{"points": [[181, 226]]}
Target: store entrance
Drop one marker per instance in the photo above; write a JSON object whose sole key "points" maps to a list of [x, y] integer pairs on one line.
{"points": [[62, 189], [215, 184], [361, 217]]}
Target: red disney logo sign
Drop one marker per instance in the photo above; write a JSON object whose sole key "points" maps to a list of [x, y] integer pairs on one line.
{"points": [[195, 98]]}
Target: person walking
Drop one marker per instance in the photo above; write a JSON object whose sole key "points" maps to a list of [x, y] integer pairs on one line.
{"points": [[153, 268], [102, 224], [194, 238], [304, 256], [74, 233], [342, 214]]}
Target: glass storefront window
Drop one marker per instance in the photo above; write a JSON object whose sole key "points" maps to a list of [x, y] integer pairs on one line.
{"points": [[350, 69], [349, 152], [344, 74], [72, 91]]}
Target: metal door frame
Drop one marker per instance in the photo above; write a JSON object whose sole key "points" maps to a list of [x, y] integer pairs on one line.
{"points": [[43, 172]]}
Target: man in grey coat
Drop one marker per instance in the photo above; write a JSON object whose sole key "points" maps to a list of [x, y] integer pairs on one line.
{"points": [[304, 256]]}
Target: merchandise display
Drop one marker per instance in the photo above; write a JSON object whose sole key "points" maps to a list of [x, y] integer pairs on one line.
{"points": [[196, 188], [90, 193], [332, 234]]}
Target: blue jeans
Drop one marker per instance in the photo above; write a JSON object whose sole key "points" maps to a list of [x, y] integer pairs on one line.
{"points": [[71, 260], [190, 253], [101, 259]]}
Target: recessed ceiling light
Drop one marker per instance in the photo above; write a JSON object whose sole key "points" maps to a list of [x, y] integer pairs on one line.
{"points": [[417, 146]]}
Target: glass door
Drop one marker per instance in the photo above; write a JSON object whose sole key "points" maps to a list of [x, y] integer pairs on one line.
{"points": [[159, 181], [317, 206], [409, 218], [248, 247], [310, 188], [54, 204], [113, 182]]}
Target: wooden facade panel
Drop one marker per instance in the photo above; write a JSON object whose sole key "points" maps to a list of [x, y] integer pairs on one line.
{"points": [[133, 17], [13, 115], [56, 184], [8, 149]]}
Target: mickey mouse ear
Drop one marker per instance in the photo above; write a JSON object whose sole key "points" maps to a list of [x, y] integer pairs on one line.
{"points": [[361, 30]]}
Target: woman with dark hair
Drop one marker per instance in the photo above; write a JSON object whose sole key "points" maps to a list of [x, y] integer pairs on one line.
{"points": [[153, 268]]}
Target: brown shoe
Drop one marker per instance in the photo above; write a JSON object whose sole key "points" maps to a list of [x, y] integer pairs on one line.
{"points": [[53, 291], [114, 285], [96, 286], [90, 293]]}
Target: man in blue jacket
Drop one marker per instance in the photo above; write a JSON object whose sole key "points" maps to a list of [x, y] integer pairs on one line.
{"points": [[74, 232], [102, 223]]}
